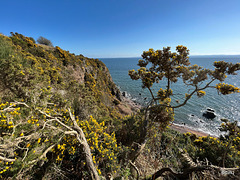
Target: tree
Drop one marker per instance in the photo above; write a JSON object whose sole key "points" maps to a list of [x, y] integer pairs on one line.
{"points": [[168, 68], [175, 66], [44, 41]]}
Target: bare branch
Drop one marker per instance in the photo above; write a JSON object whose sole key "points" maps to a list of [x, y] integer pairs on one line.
{"points": [[194, 91], [43, 155], [7, 159], [135, 167], [86, 149]]}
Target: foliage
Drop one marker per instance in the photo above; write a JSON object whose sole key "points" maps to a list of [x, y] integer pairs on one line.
{"points": [[27, 137], [48, 80], [5, 47], [32, 39], [164, 150], [27, 67], [42, 134], [223, 151], [104, 145], [169, 67], [44, 41]]}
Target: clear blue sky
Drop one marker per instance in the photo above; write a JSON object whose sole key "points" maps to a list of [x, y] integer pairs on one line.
{"points": [[125, 28]]}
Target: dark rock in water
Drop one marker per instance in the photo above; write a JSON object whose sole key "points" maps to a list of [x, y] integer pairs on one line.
{"points": [[192, 115], [124, 94], [209, 114], [208, 109], [140, 94]]}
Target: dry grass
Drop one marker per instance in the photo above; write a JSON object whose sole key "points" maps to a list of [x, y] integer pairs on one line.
{"points": [[45, 47]]}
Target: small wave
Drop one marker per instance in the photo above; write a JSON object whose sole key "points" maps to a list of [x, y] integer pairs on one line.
{"points": [[201, 130], [202, 124]]}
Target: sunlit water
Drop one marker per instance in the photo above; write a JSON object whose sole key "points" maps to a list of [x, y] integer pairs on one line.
{"points": [[227, 106]]}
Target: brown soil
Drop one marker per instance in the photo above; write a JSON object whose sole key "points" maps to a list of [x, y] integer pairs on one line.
{"points": [[183, 129], [128, 107]]}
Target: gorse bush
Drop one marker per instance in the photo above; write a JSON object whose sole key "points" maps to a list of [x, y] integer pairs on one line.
{"points": [[32, 39], [104, 146], [223, 151], [44, 41]]}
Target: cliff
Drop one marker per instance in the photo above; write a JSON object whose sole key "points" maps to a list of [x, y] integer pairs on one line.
{"points": [[83, 83]]}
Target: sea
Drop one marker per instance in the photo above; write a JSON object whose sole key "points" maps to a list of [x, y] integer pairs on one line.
{"points": [[191, 114]]}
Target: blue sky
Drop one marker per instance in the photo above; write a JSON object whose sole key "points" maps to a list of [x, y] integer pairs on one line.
{"points": [[125, 28]]}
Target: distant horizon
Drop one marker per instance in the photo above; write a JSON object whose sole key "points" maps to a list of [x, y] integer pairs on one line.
{"points": [[189, 56]]}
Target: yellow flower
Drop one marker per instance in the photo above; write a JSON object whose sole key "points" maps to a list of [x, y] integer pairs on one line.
{"points": [[28, 145]]}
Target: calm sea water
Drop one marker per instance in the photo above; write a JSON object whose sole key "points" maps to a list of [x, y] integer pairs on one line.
{"points": [[227, 106]]}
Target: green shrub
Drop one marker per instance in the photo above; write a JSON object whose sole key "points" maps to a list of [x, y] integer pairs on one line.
{"points": [[33, 40], [44, 41], [223, 151], [5, 47]]}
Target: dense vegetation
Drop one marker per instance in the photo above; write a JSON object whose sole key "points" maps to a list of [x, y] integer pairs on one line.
{"points": [[61, 117]]}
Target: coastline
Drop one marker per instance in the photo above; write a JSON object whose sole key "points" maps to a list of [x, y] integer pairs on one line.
{"points": [[185, 129]]}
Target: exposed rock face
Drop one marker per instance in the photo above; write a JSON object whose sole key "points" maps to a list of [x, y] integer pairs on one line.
{"points": [[209, 114], [116, 92], [127, 106]]}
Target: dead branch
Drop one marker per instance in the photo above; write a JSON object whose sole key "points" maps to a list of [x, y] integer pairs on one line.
{"points": [[75, 130], [86, 149], [136, 169], [190, 170], [7, 159]]}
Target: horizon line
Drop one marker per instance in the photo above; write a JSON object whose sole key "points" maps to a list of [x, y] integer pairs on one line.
{"points": [[189, 56]]}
